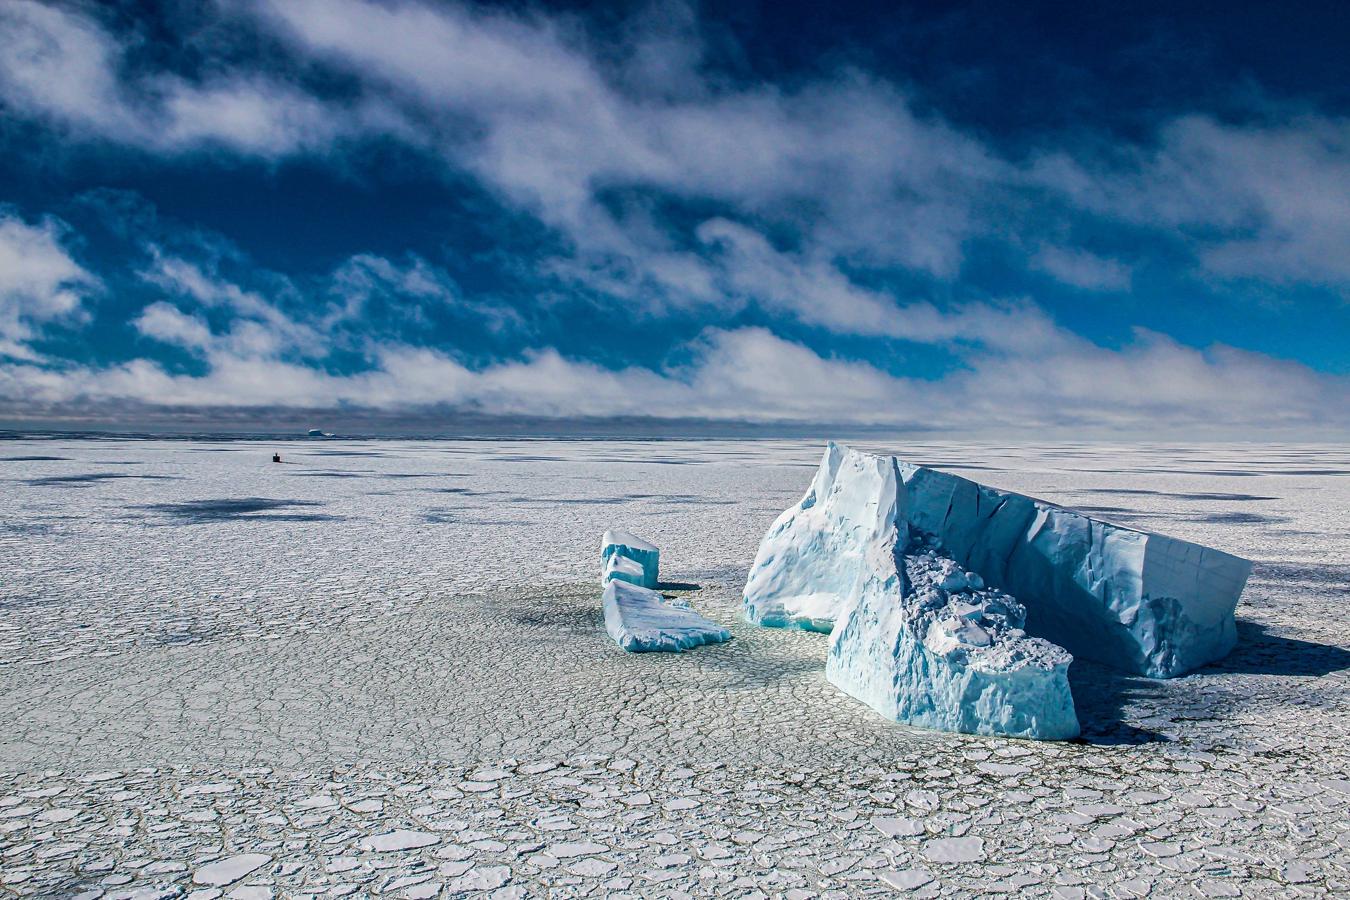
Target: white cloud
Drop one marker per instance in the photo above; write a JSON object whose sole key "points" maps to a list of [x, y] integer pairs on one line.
{"points": [[1081, 268], [1266, 201], [1151, 386], [167, 323], [39, 281], [550, 123], [64, 67]]}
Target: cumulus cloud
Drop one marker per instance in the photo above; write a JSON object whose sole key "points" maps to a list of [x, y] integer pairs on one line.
{"points": [[39, 281]]}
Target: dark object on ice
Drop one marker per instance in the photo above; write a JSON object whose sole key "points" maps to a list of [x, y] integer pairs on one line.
{"points": [[276, 457]]}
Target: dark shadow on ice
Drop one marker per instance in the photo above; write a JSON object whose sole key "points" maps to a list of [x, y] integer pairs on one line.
{"points": [[92, 477], [1259, 652], [1176, 496], [1335, 577], [34, 459], [197, 512], [1240, 518], [677, 586], [1100, 698], [327, 474]]}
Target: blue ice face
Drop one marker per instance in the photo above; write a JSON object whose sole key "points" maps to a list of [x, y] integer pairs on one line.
{"points": [[1140, 602], [641, 620], [628, 546]]}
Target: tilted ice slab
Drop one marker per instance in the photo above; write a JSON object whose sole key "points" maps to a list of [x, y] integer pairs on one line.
{"points": [[642, 620], [918, 639], [1140, 602], [627, 545]]}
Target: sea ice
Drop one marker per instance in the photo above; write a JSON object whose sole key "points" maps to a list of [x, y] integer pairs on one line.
{"points": [[642, 620], [618, 542], [915, 636], [1140, 602]]}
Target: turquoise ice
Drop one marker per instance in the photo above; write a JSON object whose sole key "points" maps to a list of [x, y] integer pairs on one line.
{"points": [[626, 545], [1140, 602], [642, 620], [914, 635]]}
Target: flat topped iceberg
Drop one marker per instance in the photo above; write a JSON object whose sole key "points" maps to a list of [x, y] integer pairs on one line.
{"points": [[1140, 602], [628, 546], [641, 620], [915, 637]]}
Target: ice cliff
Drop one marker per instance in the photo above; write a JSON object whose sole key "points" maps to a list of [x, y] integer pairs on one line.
{"points": [[916, 636], [1140, 602]]}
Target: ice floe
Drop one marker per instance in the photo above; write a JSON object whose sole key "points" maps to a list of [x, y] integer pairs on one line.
{"points": [[642, 620]]}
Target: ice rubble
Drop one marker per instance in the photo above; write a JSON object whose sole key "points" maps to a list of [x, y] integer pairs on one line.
{"points": [[641, 620], [627, 545], [637, 617], [945, 652], [916, 637], [1140, 602]]}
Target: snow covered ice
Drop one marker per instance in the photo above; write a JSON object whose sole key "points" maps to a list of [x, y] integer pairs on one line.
{"points": [[641, 620], [915, 637], [190, 674], [1140, 602], [625, 544]]}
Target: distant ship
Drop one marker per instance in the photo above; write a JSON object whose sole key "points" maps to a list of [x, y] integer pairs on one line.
{"points": [[315, 432]]}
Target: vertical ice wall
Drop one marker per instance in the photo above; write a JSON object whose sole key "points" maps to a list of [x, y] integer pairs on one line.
{"points": [[1136, 601]]}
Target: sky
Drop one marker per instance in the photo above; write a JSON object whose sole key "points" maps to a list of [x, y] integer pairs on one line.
{"points": [[1030, 220]]}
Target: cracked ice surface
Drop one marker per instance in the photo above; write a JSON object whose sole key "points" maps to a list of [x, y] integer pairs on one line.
{"points": [[641, 620], [235, 658]]}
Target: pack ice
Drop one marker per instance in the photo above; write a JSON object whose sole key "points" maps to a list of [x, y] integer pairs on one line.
{"points": [[915, 636], [637, 617], [1140, 602]]}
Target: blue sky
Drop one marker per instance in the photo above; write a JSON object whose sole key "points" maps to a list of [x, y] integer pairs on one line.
{"points": [[1027, 219]]}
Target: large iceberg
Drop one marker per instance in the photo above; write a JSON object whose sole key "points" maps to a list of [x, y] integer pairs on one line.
{"points": [[641, 620], [1140, 602], [915, 636], [1136, 601]]}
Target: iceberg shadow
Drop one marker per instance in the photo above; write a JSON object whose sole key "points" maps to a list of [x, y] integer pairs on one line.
{"points": [[1261, 652]]}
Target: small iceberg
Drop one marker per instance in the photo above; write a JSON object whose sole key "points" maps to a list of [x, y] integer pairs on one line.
{"points": [[634, 555], [641, 620]]}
